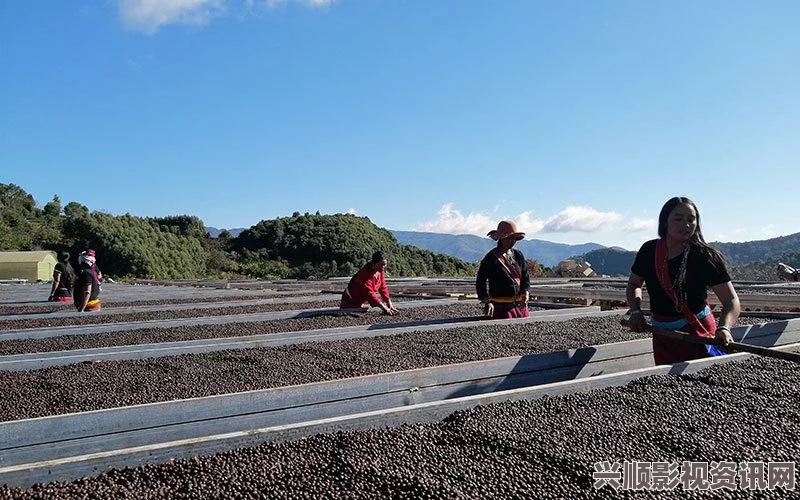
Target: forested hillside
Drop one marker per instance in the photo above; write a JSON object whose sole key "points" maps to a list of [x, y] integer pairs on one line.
{"points": [[300, 246], [335, 245], [749, 252], [610, 261]]}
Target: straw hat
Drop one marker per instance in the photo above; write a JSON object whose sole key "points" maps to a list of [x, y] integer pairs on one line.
{"points": [[506, 229]]}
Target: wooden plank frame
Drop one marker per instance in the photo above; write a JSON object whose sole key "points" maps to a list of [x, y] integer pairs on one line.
{"points": [[42, 333], [40, 360], [69, 446]]}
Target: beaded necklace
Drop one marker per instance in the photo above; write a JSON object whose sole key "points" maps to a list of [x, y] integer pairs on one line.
{"points": [[677, 292]]}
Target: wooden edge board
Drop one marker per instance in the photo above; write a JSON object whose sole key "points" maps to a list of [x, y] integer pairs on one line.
{"points": [[36, 361], [47, 332], [94, 463], [30, 431]]}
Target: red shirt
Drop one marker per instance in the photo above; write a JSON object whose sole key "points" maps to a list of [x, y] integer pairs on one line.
{"points": [[366, 285]]}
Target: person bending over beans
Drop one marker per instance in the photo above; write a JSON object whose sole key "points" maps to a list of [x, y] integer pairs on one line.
{"points": [[369, 285]]}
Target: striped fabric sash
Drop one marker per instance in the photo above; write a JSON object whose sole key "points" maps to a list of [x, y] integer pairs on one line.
{"points": [[511, 270], [508, 300], [662, 272], [679, 323]]}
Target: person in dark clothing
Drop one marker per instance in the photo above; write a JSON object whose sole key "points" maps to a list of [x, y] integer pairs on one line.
{"points": [[503, 282], [87, 286], [678, 269], [63, 280]]}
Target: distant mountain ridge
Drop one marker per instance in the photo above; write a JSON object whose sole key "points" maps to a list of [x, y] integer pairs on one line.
{"points": [[214, 232], [747, 260], [758, 257], [472, 248], [771, 249]]}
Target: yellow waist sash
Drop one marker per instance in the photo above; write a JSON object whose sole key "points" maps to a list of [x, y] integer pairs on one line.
{"points": [[508, 300]]}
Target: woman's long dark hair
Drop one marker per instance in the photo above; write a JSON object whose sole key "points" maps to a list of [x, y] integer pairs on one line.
{"points": [[376, 257], [64, 258], [696, 238]]}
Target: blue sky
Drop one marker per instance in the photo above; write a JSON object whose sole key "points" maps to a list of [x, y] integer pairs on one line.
{"points": [[578, 119]]}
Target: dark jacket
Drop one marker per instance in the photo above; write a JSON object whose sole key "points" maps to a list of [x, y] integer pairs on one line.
{"points": [[495, 281]]}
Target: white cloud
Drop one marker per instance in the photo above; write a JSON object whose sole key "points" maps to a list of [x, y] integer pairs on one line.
{"points": [[149, 15], [638, 225], [310, 3], [451, 221], [527, 223], [580, 219], [769, 231], [351, 211]]}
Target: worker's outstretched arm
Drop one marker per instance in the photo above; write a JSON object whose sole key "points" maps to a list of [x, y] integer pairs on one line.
{"points": [[56, 281], [730, 310], [633, 294]]}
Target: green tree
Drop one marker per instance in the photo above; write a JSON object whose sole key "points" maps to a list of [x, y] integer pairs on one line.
{"points": [[133, 246], [183, 225], [53, 208], [320, 246], [18, 215], [74, 208], [13, 196]]}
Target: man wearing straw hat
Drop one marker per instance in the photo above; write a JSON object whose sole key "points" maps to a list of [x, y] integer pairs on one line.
{"points": [[503, 281]]}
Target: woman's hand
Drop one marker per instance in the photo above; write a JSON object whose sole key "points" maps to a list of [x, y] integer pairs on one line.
{"points": [[724, 335], [636, 321], [488, 310]]}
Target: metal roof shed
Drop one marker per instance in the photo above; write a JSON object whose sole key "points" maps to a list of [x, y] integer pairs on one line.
{"points": [[32, 266]]}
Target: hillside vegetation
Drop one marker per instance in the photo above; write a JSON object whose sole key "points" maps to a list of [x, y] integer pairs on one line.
{"points": [[172, 247], [334, 245], [303, 246], [609, 261]]}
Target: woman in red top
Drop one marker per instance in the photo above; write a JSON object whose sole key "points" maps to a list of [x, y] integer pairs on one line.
{"points": [[369, 285]]}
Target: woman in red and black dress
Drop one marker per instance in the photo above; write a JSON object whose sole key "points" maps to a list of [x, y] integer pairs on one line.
{"points": [[678, 269], [87, 286], [503, 282], [63, 279]]}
